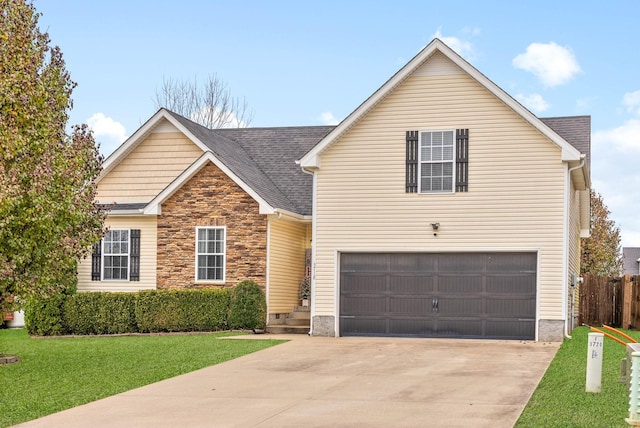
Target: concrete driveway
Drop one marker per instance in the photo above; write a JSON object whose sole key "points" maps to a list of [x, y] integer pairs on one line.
{"points": [[337, 382]]}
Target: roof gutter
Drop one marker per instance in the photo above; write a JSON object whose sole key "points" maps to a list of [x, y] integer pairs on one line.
{"points": [[291, 215]]}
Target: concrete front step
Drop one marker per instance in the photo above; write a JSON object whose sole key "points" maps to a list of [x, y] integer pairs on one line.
{"points": [[299, 315], [287, 329], [297, 321]]}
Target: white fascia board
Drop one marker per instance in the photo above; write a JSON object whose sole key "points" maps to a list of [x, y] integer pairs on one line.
{"points": [[126, 213], [155, 206], [310, 162], [291, 215], [311, 159], [137, 137]]}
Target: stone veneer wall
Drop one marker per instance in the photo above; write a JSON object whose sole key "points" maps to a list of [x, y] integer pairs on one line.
{"points": [[211, 198]]}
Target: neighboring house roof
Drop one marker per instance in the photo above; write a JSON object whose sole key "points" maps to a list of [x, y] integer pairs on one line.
{"points": [[631, 260], [311, 159]]}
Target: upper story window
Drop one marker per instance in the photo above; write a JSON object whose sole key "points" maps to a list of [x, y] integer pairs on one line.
{"points": [[210, 253], [437, 161], [115, 255]]}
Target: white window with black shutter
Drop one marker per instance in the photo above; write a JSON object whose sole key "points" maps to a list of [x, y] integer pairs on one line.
{"points": [[437, 161], [117, 256]]}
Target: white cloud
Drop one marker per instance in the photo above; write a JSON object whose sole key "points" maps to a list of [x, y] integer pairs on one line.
{"points": [[616, 176], [550, 62], [327, 118], [625, 138], [103, 126], [107, 132], [631, 100], [462, 47], [533, 101]]}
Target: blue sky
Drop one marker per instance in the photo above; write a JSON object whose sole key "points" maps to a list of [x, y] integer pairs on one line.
{"points": [[309, 63]]}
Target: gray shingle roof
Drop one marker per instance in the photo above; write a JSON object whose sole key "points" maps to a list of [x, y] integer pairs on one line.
{"points": [[630, 257], [576, 130], [264, 158]]}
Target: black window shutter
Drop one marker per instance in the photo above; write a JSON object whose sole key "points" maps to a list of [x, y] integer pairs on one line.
{"points": [[134, 256], [412, 162], [96, 260], [462, 160]]}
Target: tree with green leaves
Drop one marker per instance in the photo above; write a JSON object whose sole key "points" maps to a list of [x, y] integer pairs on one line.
{"points": [[48, 218], [601, 254]]}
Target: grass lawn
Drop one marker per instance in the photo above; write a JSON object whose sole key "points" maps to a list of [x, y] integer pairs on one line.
{"points": [[560, 399], [59, 373]]}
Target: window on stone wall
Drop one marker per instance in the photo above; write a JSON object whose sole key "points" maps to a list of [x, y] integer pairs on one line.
{"points": [[210, 253]]}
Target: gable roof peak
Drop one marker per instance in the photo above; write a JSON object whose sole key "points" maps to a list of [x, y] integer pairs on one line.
{"points": [[312, 159]]}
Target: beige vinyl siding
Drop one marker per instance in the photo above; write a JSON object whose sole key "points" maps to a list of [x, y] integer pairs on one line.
{"points": [[573, 245], [153, 164], [515, 198], [148, 248], [287, 243]]}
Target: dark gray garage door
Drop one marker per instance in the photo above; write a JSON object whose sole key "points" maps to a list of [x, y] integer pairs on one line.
{"points": [[467, 295]]}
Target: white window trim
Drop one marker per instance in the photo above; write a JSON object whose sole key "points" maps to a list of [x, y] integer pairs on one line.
{"points": [[224, 256], [420, 162], [128, 254]]}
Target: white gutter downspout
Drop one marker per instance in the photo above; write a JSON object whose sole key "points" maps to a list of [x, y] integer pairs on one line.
{"points": [[313, 247], [565, 267]]}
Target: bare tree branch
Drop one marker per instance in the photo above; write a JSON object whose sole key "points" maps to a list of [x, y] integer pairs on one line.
{"points": [[209, 104]]}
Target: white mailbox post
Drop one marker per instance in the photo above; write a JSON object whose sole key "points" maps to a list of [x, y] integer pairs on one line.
{"points": [[594, 362]]}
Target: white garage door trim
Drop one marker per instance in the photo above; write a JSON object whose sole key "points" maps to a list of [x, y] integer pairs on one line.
{"points": [[337, 270]]}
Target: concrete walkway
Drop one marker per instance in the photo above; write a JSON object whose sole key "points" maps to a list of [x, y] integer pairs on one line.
{"points": [[336, 382]]}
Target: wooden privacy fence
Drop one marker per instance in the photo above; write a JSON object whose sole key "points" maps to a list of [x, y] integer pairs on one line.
{"points": [[631, 302], [600, 301], [611, 301]]}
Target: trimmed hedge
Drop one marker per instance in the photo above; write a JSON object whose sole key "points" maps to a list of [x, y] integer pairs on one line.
{"points": [[100, 313], [182, 310], [243, 307]]}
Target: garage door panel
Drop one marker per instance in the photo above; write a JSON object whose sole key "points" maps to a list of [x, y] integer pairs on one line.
{"points": [[461, 306], [512, 284], [411, 263], [456, 262], [416, 305], [514, 308], [365, 283], [365, 305], [488, 295], [364, 262], [365, 326], [411, 327], [457, 284], [512, 262], [411, 284], [459, 328]]}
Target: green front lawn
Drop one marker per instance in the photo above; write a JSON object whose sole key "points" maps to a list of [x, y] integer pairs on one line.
{"points": [[560, 399], [59, 373]]}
